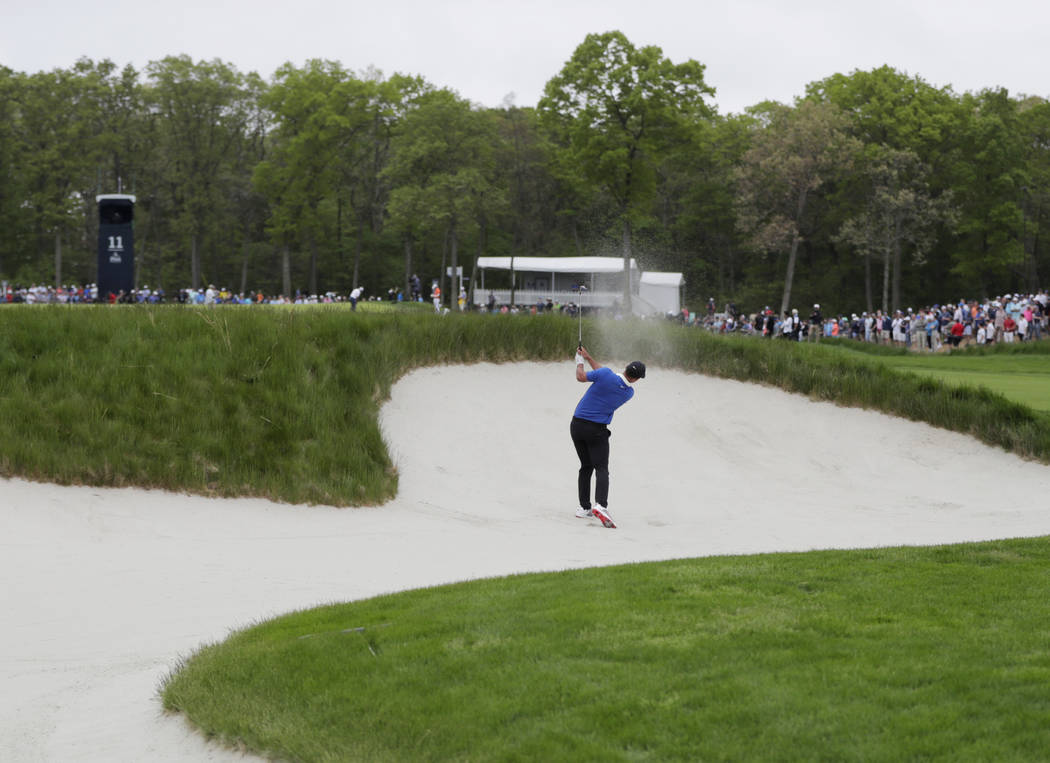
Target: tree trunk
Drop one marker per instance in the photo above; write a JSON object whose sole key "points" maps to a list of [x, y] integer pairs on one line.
{"points": [[339, 230], [313, 264], [722, 271], [885, 280], [1033, 260], [627, 267], [457, 282], [286, 271], [358, 246], [789, 276], [1033, 282], [512, 278], [408, 267], [896, 294], [730, 259], [195, 262], [444, 264], [482, 235], [244, 267], [867, 283], [58, 260]]}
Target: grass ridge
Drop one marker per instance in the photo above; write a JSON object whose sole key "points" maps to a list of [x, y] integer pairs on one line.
{"points": [[284, 403]]}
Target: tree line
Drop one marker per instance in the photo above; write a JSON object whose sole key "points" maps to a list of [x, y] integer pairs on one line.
{"points": [[874, 189]]}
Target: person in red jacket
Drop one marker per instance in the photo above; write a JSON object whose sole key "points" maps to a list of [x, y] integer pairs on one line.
{"points": [[1009, 328]]}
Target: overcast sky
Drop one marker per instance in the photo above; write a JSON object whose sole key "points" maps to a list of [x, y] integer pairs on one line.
{"points": [[754, 50]]}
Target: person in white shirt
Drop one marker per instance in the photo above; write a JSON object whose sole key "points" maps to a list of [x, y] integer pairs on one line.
{"points": [[897, 329]]}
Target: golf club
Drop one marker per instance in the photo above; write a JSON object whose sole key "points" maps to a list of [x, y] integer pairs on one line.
{"points": [[582, 290]]}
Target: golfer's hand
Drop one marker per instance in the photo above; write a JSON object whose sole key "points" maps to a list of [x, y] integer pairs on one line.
{"points": [[581, 352], [581, 356]]}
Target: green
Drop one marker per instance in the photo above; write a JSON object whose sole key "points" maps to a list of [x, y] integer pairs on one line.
{"points": [[894, 654]]}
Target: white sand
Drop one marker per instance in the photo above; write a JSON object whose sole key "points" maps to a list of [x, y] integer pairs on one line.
{"points": [[104, 590]]}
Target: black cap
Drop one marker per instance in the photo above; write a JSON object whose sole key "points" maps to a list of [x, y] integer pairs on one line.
{"points": [[635, 369]]}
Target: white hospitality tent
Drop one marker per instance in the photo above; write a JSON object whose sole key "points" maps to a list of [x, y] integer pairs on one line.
{"points": [[537, 279], [662, 291]]}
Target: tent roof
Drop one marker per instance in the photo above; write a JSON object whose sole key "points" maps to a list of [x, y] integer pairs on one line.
{"points": [[557, 264], [654, 278]]}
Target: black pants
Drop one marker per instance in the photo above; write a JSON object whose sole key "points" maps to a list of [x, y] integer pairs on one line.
{"points": [[592, 446]]}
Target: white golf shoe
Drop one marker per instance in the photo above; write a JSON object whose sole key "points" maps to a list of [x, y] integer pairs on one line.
{"points": [[602, 513]]}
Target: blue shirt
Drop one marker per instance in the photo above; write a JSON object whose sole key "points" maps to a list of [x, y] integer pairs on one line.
{"points": [[608, 391]]}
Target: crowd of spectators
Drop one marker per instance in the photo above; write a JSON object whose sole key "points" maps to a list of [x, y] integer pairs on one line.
{"points": [[89, 294], [210, 295], [45, 295], [1006, 318]]}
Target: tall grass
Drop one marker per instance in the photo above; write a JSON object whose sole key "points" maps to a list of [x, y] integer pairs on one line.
{"points": [[272, 402], [284, 403], [828, 373], [1013, 348]]}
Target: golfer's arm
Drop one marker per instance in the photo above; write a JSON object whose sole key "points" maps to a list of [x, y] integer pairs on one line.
{"points": [[581, 375]]}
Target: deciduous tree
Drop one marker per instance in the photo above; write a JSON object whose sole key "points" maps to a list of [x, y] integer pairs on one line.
{"points": [[794, 152], [614, 109], [442, 170], [900, 213], [204, 113]]}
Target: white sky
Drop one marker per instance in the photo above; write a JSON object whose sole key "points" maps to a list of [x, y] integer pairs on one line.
{"points": [[753, 49]]}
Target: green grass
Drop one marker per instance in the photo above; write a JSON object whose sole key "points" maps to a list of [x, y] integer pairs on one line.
{"points": [[1019, 372], [1022, 378], [895, 654], [284, 403], [274, 402]]}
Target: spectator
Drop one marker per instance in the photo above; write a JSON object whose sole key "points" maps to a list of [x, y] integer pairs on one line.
{"points": [[816, 320], [1000, 323], [1009, 328]]}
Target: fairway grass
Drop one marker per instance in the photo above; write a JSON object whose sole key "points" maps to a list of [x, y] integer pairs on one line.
{"points": [[935, 653], [1019, 371], [1024, 379]]}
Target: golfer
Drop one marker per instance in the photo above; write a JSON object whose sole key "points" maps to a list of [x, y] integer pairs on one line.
{"points": [[590, 431]]}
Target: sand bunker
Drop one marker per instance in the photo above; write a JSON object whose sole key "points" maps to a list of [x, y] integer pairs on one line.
{"points": [[105, 589]]}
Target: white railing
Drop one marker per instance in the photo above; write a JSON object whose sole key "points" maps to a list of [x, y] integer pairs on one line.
{"points": [[589, 299], [530, 297]]}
